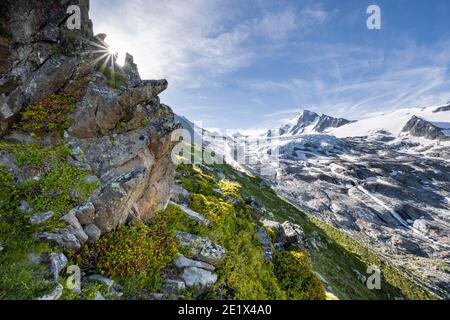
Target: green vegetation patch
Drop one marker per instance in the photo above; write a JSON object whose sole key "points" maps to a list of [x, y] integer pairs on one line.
{"points": [[51, 115], [338, 258], [116, 78], [295, 277], [243, 273], [53, 185]]}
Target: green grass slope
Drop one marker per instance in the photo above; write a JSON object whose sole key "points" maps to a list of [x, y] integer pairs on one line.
{"points": [[340, 261]]}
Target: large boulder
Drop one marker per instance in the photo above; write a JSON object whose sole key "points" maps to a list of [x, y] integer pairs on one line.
{"points": [[290, 234], [193, 276]]}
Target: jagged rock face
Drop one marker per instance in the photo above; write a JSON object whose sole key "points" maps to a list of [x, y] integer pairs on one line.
{"points": [[122, 134], [326, 122], [32, 32], [443, 109], [306, 118], [307, 122], [418, 127]]}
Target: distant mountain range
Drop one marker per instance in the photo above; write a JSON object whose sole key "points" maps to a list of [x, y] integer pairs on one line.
{"points": [[383, 180]]}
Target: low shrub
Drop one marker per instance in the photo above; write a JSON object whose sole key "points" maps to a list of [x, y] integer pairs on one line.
{"points": [[51, 114], [292, 269]]}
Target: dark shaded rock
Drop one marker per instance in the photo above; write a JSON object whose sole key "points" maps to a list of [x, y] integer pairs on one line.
{"points": [[290, 234], [403, 245], [418, 127], [326, 122]]}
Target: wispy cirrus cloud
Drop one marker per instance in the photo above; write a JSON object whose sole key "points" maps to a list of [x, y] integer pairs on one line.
{"points": [[412, 77], [195, 42]]}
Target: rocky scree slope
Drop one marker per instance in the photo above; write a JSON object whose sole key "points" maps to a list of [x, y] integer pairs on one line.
{"points": [[382, 180], [85, 144]]}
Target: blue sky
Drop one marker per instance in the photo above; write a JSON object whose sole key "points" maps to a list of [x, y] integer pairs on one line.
{"points": [[235, 64]]}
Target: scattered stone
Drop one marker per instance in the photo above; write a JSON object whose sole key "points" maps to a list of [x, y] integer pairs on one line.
{"points": [[292, 234], [180, 195], [85, 213], [55, 294], [193, 276], [93, 232], [202, 249], [270, 224], [99, 278], [58, 262], [75, 226], [99, 296], [25, 207], [40, 218], [1, 247], [112, 287], [197, 217], [278, 246], [258, 209], [173, 287], [62, 237], [183, 262], [266, 243], [156, 296]]}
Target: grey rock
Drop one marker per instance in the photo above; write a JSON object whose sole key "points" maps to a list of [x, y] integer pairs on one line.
{"points": [[180, 195], [25, 207], [157, 296], [197, 217], [266, 243], [442, 109], [91, 179], [75, 226], [99, 278], [326, 122], [419, 127], [93, 232], [112, 287], [292, 234], [173, 287], [58, 262], [182, 262], [198, 277], [270, 224], [99, 296], [202, 249], [55, 294], [40, 218], [85, 213], [62, 237], [401, 244]]}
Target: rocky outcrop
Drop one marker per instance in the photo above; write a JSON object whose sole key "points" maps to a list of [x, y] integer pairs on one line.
{"points": [[443, 108], [326, 122], [418, 127], [32, 33], [305, 119], [290, 234], [119, 131]]}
